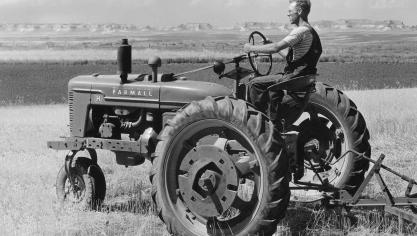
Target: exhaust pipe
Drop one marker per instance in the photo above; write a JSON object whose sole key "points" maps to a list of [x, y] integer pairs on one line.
{"points": [[124, 60]]}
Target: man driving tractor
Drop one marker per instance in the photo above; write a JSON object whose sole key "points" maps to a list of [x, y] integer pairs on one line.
{"points": [[302, 50]]}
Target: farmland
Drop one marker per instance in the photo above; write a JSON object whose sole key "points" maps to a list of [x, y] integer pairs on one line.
{"points": [[378, 71], [28, 204], [362, 46]]}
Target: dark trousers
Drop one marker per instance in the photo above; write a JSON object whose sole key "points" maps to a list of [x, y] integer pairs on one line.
{"points": [[268, 101]]}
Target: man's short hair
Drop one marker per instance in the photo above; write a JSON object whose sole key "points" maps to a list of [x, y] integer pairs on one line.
{"points": [[304, 5]]}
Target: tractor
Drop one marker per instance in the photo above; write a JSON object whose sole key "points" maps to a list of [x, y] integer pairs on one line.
{"points": [[218, 165]]}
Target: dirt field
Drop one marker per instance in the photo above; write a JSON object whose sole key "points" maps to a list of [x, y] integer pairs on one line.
{"points": [[27, 180]]}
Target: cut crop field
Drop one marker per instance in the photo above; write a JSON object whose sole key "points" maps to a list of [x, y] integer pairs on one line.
{"points": [[45, 83], [361, 46], [28, 203]]}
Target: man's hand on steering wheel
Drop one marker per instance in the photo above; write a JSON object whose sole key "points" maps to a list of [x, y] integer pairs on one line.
{"points": [[247, 48]]}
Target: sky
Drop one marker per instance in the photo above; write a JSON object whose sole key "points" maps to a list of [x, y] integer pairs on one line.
{"points": [[216, 12]]}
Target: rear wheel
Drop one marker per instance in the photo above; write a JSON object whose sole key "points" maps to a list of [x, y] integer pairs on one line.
{"points": [[218, 170], [333, 126]]}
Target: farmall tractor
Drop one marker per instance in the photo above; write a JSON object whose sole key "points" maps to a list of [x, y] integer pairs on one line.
{"points": [[218, 166]]}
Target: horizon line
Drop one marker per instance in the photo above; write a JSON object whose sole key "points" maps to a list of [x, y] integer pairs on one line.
{"points": [[202, 22]]}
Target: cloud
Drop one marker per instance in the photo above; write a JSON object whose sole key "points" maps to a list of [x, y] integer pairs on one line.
{"points": [[235, 3], [258, 3], [195, 2], [385, 4], [168, 12], [7, 2], [337, 4], [130, 2], [20, 2]]}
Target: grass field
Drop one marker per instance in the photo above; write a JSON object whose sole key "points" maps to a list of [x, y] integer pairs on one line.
{"points": [[28, 204]]}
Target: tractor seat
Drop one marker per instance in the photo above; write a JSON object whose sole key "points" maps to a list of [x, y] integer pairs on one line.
{"points": [[296, 84]]}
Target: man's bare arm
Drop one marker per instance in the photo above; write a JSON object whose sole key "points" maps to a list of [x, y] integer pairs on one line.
{"points": [[283, 53], [268, 48]]}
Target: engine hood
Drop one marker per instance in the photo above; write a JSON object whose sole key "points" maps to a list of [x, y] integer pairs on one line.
{"points": [[107, 90]]}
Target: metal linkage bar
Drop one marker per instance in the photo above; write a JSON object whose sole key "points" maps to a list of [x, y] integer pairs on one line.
{"points": [[374, 170], [382, 202], [362, 155]]}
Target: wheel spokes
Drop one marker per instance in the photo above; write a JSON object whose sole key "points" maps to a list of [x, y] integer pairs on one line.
{"points": [[328, 132], [242, 205], [247, 165], [74, 189]]}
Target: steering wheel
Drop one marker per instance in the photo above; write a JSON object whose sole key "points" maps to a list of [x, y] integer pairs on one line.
{"points": [[256, 59]]}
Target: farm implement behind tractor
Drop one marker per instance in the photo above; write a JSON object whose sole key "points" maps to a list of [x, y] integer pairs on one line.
{"points": [[219, 166], [342, 199]]}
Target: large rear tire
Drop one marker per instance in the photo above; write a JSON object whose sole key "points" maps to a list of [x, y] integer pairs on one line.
{"points": [[335, 122], [219, 169]]}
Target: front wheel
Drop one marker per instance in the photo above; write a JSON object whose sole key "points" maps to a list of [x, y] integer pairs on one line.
{"points": [[86, 189], [219, 169]]}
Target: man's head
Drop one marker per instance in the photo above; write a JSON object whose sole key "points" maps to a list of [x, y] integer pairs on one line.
{"points": [[298, 9]]}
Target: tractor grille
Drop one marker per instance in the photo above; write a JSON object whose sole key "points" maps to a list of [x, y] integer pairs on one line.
{"points": [[71, 108]]}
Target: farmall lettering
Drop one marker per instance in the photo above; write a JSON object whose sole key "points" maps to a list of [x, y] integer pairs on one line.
{"points": [[140, 92]]}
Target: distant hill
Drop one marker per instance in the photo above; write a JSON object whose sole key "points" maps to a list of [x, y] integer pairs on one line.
{"points": [[362, 24], [98, 28], [327, 25], [249, 26], [324, 25]]}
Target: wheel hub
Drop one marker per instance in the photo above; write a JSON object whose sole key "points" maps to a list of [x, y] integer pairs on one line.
{"points": [[322, 144], [75, 190], [208, 181], [209, 184]]}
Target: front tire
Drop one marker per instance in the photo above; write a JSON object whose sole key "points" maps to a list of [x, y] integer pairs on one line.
{"points": [[219, 169], [88, 189]]}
